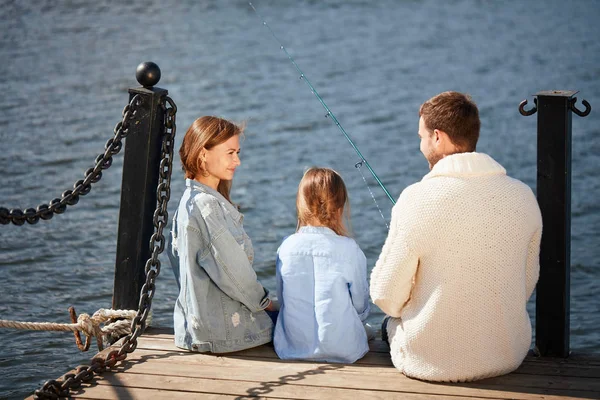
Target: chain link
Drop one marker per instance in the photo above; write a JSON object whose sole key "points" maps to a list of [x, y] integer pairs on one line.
{"points": [[53, 389], [82, 186]]}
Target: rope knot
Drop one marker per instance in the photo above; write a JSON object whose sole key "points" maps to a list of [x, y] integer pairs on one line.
{"points": [[90, 326], [86, 324]]}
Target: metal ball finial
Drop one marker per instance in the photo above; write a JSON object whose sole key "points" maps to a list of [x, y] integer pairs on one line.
{"points": [[147, 74]]}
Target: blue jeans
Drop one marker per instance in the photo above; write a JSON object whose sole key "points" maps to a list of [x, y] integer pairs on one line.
{"points": [[384, 334]]}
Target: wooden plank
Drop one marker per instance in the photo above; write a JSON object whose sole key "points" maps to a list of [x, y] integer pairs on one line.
{"points": [[380, 346], [531, 365], [164, 385], [158, 369], [531, 380], [564, 370], [120, 392], [592, 359], [344, 376], [265, 351], [376, 345]]}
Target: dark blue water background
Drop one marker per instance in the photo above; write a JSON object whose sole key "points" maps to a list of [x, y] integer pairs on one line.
{"points": [[64, 73]]}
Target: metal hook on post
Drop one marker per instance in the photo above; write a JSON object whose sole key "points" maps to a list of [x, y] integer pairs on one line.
{"points": [[577, 111], [527, 112]]}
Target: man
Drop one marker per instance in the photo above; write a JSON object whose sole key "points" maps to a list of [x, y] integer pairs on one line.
{"points": [[461, 258]]}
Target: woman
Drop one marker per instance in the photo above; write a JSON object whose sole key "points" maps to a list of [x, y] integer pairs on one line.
{"points": [[220, 307]]}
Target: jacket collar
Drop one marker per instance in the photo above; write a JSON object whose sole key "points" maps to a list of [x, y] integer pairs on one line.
{"points": [[466, 164], [231, 209]]}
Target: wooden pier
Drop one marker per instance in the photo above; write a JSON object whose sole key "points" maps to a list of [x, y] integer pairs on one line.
{"points": [[159, 370]]}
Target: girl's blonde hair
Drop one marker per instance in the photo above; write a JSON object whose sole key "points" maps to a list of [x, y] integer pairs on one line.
{"points": [[323, 200], [205, 133]]}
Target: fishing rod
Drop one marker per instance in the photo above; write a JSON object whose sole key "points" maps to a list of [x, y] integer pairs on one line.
{"points": [[329, 114]]}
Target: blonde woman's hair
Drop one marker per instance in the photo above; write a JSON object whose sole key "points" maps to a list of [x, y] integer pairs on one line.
{"points": [[323, 200], [205, 133]]}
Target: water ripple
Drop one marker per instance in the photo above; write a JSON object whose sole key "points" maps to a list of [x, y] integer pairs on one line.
{"points": [[67, 67]]}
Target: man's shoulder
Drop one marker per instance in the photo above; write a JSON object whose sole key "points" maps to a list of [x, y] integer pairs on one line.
{"points": [[424, 193], [517, 182], [518, 186], [415, 191]]}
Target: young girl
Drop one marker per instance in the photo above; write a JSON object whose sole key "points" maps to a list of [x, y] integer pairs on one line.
{"points": [[220, 307], [321, 278]]}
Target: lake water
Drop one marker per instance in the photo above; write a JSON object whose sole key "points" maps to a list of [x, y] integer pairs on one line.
{"points": [[64, 73]]}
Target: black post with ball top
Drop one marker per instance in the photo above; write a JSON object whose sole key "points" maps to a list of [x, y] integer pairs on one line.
{"points": [[138, 190]]}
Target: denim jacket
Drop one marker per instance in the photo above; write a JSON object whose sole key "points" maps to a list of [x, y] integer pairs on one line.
{"points": [[220, 304]]}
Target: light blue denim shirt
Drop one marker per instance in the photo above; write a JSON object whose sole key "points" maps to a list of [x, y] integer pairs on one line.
{"points": [[324, 297], [220, 304]]}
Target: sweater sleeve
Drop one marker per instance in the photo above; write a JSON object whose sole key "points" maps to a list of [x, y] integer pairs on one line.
{"points": [[393, 274]]}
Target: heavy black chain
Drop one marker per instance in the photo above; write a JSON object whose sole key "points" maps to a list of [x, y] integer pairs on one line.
{"points": [[160, 219], [82, 186], [54, 389]]}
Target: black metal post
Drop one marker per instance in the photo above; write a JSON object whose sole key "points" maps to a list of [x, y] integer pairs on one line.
{"points": [[554, 197], [138, 191]]}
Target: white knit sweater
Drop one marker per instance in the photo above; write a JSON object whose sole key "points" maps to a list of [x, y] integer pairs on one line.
{"points": [[460, 262]]}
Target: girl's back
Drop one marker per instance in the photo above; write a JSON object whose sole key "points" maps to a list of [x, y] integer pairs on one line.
{"points": [[323, 292]]}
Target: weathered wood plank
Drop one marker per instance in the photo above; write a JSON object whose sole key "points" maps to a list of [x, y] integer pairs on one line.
{"points": [[265, 351], [376, 345], [119, 392], [163, 385], [160, 370], [239, 360], [350, 377], [379, 346], [531, 365]]}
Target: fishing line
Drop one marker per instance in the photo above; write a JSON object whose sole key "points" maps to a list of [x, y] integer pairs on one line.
{"points": [[329, 114], [357, 166]]}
